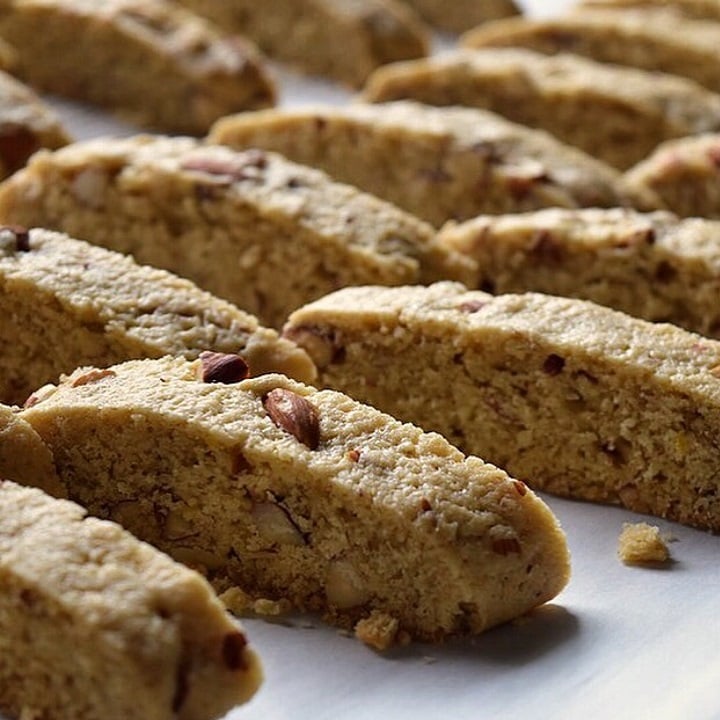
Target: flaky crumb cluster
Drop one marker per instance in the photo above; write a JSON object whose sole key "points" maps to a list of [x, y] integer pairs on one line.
{"points": [[642, 544]]}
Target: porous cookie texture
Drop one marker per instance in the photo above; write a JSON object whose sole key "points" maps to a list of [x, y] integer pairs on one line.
{"points": [[617, 114], [342, 39], [24, 457], [571, 397], [152, 62], [95, 624], [459, 15], [26, 125], [699, 9], [264, 233], [642, 544], [685, 173], [637, 38], [438, 163], [290, 492], [651, 265], [66, 303]]}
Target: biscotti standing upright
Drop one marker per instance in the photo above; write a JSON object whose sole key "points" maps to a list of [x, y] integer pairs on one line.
{"points": [[617, 114], [342, 39], [438, 163], [458, 15], [152, 62], [251, 227], [698, 9], [655, 40], [305, 495], [26, 125], [651, 265], [65, 303], [685, 174], [572, 397], [95, 624]]}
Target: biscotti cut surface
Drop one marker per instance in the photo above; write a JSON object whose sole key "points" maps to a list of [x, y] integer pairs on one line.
{"points": [[699, 9], [685, 173], [26, 125], [438, 163], [264, 233], [571, 397], [459, 15], [95, 625], [617, 114], [65, 303], [342, 39], [152, 62], [307, 495], [651, 265], [655, 40]]}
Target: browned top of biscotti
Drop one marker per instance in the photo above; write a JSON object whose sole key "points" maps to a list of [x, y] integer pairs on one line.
{"points": [[700, 9]]}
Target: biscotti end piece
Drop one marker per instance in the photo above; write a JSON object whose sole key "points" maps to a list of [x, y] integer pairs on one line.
{"points": [[24, 457], [655, 266], [170, 69], [437, 163], [67, 303], [616, 114], [569, 396], [460, 15], [304, 495], [642, 544], [97, 624], [685, 173]]}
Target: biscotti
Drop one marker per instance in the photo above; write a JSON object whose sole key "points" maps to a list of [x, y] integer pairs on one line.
{"points": [[685, 173], [26, 125], [458, 15], [96, 625], [438, 163], [264, 233], [152, 62], [571, 397], [342, 39], [305, 495], [617, 114], [654, 266], [699, 9], [655, 40], [65, 303]]}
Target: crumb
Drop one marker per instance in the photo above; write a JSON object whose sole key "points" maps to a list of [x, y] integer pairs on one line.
{"points": [[378, 630], [239, 602], [236, 601], [265, 607], [642, 544]]}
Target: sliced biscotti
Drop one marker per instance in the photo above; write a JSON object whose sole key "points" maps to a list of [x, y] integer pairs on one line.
{"points": [[342, 39], [654, 266], [304, 495], [459, 15], [264, 233], [699, 9], [685, 173], [617, 114], [96, 624], [153, 62], [65, 303], [26, 125], [647, 39], [438, 163], [570, 396]]}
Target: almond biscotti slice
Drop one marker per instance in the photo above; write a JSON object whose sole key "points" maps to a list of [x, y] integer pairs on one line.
{"points": [[152, 62], [438, 163], [342, 39], [698, 9], [26, 125], [655, 40], [65, 303], [458, 15], [617, 114], [264, 233], [304, 495], [96, 624], [685, 173], [653, 266], [572, 397]]}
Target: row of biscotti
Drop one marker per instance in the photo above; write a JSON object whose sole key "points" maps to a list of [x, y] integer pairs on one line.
{"points": [[160, 64]]}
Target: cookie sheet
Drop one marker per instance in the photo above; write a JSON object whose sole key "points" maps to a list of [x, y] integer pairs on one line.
{"points": [[618, 643]]}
